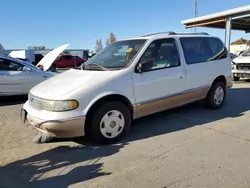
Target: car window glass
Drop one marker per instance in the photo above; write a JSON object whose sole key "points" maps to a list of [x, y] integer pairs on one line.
{"points": [[202, 49], [116, 55], [76, 58], [162, 53], [9, 65], [246, 53], [66, 57]]}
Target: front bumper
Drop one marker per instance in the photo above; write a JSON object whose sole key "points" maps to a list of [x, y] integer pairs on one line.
{"points": [[60, 128], [241, 73]]}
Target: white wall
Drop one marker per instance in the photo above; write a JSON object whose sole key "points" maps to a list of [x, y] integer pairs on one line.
{"points": [[237, 48]]}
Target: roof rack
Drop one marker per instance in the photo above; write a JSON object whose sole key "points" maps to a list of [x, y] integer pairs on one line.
{"points": [[201, 33], [173, 33], [168, 33]]}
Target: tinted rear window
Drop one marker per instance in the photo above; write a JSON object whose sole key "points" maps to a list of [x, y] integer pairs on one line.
{"points": [[202, 49]]}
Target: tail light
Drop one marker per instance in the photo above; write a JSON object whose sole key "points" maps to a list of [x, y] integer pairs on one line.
{"points": [[41, 67]]}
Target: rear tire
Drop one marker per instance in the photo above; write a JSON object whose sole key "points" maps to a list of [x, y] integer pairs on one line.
{"points": [[216, 96], [53, 68], [236, 78], [109, 123]]}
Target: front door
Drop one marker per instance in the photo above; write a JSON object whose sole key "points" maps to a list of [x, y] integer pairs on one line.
{"points": [[155, 88]]}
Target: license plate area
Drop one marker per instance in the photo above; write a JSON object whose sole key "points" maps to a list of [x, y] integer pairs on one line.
{"points": [[23, 115]]}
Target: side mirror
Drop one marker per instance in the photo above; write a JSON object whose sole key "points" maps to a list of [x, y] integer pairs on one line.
{"points": [[26, 68], [145, 66]]}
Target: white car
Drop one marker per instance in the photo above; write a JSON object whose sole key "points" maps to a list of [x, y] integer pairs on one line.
{"points": [[241, 66], [130, 79], [17, 77]]}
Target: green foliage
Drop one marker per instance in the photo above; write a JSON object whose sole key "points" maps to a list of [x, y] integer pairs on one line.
{"points": [[99, 46], [240, 41]]}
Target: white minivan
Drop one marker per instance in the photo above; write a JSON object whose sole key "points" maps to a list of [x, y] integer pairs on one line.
{"points": [[130, 79]]}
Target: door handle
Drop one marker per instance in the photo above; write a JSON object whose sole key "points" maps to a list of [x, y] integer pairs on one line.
{"points": [[44, 76], [181, 77]]}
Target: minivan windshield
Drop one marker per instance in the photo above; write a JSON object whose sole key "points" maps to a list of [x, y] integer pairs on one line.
{"points": [[246, 53], [116, 55]]}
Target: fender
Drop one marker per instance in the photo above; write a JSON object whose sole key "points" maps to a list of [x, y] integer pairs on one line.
{"points": [[105, 94]]}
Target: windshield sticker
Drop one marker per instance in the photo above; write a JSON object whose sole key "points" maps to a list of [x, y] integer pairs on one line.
{"points": [[129, 50]]}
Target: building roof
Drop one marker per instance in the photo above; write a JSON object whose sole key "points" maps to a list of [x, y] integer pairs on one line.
{"points": [[240, 19]]}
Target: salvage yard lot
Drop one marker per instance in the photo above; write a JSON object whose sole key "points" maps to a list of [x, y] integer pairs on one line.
{"points": [[186, 147]]}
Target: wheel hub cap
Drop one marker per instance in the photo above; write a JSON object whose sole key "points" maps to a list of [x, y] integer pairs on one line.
{"points": [[112, 124], [218, 95]]}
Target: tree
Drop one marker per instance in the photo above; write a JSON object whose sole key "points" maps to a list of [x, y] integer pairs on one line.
{"points": [[240, 41], [112, 38], [1, 46], [98, 45], [107, 42]]}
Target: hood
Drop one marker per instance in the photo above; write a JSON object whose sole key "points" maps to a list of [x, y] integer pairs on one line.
{"points": [[242, 59], [63, 83], [49, 58]]}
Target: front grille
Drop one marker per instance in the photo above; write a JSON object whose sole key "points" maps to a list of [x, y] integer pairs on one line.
{"points": [[35, 102], [243, 66]]}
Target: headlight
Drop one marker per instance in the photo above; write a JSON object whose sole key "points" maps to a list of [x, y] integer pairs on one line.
{"points": [[233, 66], [58, 106], [52, 105], [65, 105]]}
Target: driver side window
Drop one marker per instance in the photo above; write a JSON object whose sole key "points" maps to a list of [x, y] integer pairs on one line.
{"points": [[8, 65], [162, 53]]}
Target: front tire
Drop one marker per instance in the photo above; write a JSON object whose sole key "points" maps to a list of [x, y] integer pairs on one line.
{"points": [[109, 123], [236, 78], [216, 96]]}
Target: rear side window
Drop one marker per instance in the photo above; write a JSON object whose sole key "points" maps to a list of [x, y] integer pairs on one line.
{"points": [[202, 49], [66, 57]]}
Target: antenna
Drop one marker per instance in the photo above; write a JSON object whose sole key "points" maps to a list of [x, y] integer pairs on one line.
{"points": [[195, 10]]}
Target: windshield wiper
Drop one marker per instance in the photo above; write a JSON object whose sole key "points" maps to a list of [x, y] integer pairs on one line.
{"points": [[94, 64]]}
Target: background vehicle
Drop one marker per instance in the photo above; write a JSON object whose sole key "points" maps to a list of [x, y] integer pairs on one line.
{"points": [[18, 77], [25, 55], [130, 79], [241, 66], [67, 61]]}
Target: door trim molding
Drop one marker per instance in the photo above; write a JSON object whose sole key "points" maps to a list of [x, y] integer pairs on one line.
{"points": [[167, 102]]}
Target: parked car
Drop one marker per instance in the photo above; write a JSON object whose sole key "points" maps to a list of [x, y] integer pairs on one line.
{"points": [[241, 66], [127, 80], [17, 77], [67, 61]]}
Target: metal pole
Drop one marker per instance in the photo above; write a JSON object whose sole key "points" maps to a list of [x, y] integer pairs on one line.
{"points": [[195, 10], [228, 32]]}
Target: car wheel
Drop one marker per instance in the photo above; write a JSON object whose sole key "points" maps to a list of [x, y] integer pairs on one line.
{"points": [[236, 78], [216, 96], [109, 123]]}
